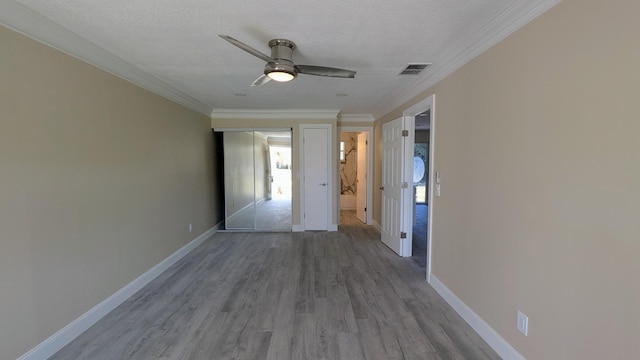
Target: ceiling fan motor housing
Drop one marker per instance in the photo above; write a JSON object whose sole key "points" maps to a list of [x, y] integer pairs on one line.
{"points": [[281, 52], [281, 49]]}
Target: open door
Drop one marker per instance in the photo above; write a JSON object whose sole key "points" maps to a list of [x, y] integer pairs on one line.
{"points": [[361, 176], [392, 170], [397, 194], [411, 115]]}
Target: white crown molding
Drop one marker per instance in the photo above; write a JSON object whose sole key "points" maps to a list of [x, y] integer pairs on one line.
{"points": [[518, 14], [270, 114], [37, 27], [355, 118]]}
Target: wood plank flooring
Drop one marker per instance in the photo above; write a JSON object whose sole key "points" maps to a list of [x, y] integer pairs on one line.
{"points": [[281, 296]]}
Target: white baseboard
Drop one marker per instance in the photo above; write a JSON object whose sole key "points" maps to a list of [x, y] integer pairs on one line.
{"points": [[57, 341], [333, 227], [499, 345]]}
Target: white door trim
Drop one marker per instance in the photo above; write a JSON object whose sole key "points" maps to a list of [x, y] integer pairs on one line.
{"points": [[362, 174], [409, 124], [370, 148], [330, 174], [410, 114]]}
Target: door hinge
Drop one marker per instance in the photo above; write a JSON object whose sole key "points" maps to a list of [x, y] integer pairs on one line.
{"points": [[405, 185], [365, 209], [403, 235], [405, 133], [366, 142]]}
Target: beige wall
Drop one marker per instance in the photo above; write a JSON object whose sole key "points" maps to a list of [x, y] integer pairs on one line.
{"points": [[99, 180], [536, 141], [354, 124]]}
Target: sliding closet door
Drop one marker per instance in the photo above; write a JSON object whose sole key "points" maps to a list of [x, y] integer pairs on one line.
{"points": [[257, 177], [239, 180], [261, 179]]}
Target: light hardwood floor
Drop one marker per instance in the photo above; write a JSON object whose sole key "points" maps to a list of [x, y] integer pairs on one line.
{"points": [[312, 295]]}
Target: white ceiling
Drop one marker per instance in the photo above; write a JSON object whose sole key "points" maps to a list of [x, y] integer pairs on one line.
{"points": [[172, 47]]}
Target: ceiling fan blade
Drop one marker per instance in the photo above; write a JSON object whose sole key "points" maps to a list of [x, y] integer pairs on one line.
{"points": [[263, 79], [247, 48], [325, 71]]}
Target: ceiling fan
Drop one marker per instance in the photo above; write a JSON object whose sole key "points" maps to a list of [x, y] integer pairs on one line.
{"points": [[279, 65]]}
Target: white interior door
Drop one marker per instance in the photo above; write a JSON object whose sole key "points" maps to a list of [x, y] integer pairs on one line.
{"points": [[392, 171], [361, 177], [316, 178]]}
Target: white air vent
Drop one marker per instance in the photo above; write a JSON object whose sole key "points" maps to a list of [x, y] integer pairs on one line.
{"points": [[414, 69]]}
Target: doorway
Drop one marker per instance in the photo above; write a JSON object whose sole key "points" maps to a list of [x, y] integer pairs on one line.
{"points": [[421, 116], [257, 180], [420, 186], [355, 161]]}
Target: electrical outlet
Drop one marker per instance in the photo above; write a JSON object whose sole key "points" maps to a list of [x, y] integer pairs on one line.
{"points": [[522, 323], [190, 227]]}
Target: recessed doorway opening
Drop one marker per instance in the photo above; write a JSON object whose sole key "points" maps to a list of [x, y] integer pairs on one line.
{"points": [[355, 161], [420, 187]]}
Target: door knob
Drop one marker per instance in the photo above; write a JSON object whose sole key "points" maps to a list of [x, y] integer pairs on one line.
{"points": [[324, 184], [381, 187]]}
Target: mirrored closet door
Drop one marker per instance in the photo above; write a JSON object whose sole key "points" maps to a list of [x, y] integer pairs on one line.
{"points": [[257, 180]]}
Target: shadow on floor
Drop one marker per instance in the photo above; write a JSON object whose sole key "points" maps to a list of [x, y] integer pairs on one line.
{"points": [[419, 241]]}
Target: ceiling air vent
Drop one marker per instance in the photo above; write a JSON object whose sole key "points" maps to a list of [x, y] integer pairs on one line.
{"points": [[414, 69]]}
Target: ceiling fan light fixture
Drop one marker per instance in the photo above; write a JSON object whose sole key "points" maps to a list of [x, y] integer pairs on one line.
{"points": [[280, 76], [282, 71]]}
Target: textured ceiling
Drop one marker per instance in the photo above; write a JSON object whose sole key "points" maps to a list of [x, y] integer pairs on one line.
{"points": [[176, 44]]}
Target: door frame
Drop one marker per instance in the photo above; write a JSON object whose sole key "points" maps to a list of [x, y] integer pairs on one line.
{"points": [[370, 149], [410, 118], [331, 163]]}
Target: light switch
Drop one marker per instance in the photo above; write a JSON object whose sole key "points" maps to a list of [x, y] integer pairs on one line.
{"points": [[522, 323]]}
